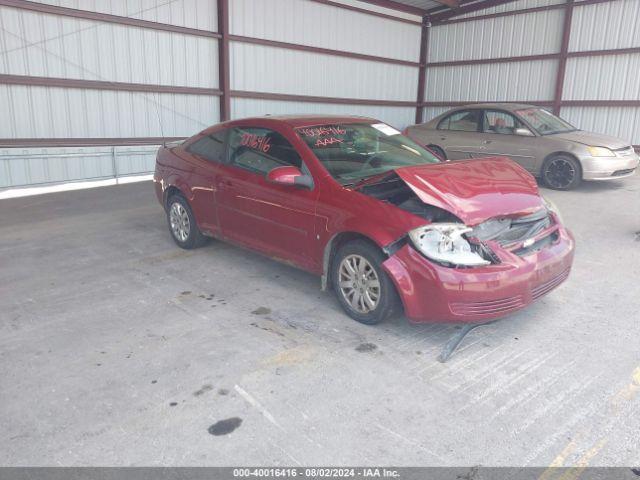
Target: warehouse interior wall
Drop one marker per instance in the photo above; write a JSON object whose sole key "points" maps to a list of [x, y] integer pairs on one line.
{"points": [[90, 88]]}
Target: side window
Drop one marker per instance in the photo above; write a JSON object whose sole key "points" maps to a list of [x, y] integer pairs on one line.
{"points": [[210, 147], [500, 122], [464, 121], [260, 150]]}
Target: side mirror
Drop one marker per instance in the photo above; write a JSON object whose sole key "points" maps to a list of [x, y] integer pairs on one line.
{"points": [[523, 132], [291, 176]]}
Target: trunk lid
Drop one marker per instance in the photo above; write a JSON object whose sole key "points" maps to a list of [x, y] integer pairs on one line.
{"points": [[475, 190]]}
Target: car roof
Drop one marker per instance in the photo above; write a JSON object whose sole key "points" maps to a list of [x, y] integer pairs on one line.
{"points": [[310, 120], [502, 106]]}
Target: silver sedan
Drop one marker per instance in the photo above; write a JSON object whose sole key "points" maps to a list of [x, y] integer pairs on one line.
{"points": [[547, 146]]}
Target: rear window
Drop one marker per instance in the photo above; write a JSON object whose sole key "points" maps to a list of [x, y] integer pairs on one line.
{"points": [[465, 121], [210, 147]]}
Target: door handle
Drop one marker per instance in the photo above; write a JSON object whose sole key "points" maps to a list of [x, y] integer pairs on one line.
{"points": [[443, 138], [486, 142]]}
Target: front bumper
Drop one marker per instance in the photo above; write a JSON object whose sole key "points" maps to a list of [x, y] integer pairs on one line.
{"points": [[608, 168], [432, 293]]}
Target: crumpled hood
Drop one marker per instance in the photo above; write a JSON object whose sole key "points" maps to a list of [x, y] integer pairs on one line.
{"points": [[593, 139], [475, 190]]}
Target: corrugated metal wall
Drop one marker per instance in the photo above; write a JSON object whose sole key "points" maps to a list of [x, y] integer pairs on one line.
{"points": [[261, 68], [491, 82], [46, 45], [509, 36], [604, 26]]}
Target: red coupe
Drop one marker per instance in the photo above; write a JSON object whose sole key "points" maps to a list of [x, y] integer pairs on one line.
{"points": [[385, 222]]}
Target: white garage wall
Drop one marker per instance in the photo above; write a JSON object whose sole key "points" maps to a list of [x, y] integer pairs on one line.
{"points": [[47, 45], [35, 166], [278, 70], [491, 82], [599, 27], [399, 117], [623, 122], [50, 112], [267, 69], [314, 24], [51, 46], [618, 78], [606, 25], [200, 14], [511, 36]]}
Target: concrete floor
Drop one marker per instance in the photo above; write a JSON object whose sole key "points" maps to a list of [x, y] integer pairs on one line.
{"points": [[118, 348]]}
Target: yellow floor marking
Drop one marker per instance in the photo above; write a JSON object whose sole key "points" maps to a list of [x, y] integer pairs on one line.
{"points": [[575, 472], [624, 395]]}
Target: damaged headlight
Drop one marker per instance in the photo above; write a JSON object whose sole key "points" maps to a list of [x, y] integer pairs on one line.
{"points": [[552, 207], [443, 243]]}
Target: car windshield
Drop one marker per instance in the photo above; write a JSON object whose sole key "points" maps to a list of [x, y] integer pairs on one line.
{"points": [[352, 152], [545, 122]]}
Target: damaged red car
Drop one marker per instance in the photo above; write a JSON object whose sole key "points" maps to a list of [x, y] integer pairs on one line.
{"points": [[383, 221]]}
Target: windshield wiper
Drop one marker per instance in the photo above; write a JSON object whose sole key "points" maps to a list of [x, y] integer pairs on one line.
{"points": [[371, 179]]}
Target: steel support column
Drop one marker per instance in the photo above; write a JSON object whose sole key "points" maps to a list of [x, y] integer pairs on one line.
{"points": [[422, 72], [562, 62], [223, 60]]}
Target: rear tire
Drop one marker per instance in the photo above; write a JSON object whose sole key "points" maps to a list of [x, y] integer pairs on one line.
{"points": [[561, 172], [363, 288], [182, 223], [438, 151]]}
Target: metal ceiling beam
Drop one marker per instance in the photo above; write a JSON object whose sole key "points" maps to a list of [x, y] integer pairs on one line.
{"points": [[401, 7], [467, 8], [449, 3]]}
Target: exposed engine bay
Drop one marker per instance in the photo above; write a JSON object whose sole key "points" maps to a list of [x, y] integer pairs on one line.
{"points": [[505, 231], [392, 189]]}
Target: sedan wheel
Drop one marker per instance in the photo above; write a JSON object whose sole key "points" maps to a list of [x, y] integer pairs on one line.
{"points": [[561, 173], [359, 283]]}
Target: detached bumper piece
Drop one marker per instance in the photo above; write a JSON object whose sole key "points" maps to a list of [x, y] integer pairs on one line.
{"points": [[456, 339]]}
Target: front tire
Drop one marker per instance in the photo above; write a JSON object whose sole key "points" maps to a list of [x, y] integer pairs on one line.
{"points": [[364, 290], [182, 223], [561, 172]]}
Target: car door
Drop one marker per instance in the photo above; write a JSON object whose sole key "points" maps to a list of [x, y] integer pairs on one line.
{"points": [[505, 135], [206, 155], [277, 220], [459, 134]]}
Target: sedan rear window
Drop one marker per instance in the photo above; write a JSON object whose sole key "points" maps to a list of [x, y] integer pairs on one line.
{"points": [[352, 152], [464, 121]]}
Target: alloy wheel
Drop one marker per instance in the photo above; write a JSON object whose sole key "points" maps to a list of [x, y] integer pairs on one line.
{"points": [[559, 173], [180, 224], [359, 283]]}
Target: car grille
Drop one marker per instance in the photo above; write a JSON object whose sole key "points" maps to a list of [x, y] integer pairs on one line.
{"points": [[625, 152], [493, 307], [549, 285], [506, 231], [539, 245]]}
